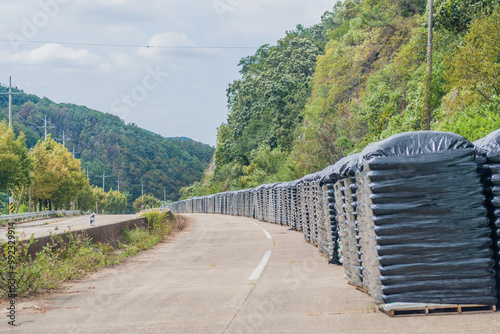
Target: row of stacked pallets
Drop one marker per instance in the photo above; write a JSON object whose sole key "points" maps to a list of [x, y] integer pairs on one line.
{"points": [[414, 219]]}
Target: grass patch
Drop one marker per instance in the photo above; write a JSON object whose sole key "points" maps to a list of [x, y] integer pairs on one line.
{"points": [[61, 261]]}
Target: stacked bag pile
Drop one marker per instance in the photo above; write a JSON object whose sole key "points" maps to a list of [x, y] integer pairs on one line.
{"points": [[488, 157], [329, 247], [304, 206], [424, 234], [346, 199]]}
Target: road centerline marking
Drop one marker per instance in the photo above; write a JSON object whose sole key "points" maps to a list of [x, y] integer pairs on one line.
{"points": [[261, 266], [266, 232]]}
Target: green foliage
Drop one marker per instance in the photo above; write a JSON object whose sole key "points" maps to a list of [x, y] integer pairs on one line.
{"points": [[474, 69], [456, 15], [116, 202], [14, 161], [267, 165], [101, 199], [473, 122], [146, 201], [86, 198], [56, 174]]}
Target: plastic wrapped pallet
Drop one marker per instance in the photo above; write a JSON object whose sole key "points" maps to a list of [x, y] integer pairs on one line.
{"points": [[298, 205], [313, 214], [327, 181], [323, 224], [345, 194], [488, 157], [304, 207], [424, 233], [310, 215]]}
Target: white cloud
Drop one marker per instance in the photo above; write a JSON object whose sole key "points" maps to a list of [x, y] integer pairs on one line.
{"points": [[57, 56], [121, 60]]}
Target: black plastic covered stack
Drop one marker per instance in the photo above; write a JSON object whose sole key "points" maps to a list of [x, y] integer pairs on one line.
{"points": [[488, 157], [346, 198], [327, 182], [425, 237]]}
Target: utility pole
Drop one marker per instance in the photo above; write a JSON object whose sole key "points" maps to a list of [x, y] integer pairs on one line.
{"points": [[118, 184], [164, 195], [29, 202], [104, 176], [45, 126], [11, 192], [142, 191], [428, 93], [74, 152], [10, 102], [88, 173]]}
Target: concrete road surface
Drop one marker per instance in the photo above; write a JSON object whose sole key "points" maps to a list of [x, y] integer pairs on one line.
{"points": [[44, 227], [226, 275]]}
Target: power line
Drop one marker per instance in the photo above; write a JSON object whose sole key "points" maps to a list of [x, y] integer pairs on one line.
{"points": [[131, 45], [180, 46]]}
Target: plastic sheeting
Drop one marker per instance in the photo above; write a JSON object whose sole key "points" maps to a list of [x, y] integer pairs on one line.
{"points": [[488, 157], [422, 225], [346, 201]]}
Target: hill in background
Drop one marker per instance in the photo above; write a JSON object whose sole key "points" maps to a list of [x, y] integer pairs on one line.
{"points": [[104, 143]]}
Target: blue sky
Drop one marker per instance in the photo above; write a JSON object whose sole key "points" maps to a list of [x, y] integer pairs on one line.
{"points": [[87, 52]]}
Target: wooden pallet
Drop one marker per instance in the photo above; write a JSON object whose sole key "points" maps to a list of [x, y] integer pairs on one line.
{"points": [[437, 310], [359, 288]]}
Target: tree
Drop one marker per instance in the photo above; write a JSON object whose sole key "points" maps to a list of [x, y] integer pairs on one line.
{"points": [[100, 198], [149, 201], [475, 68], [117, 202], [14, 161], [456, 15], [56, 173], [85, 198]]}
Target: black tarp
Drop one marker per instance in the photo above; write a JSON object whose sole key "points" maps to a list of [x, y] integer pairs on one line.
{"points": [[488, 158], [422, 225]]}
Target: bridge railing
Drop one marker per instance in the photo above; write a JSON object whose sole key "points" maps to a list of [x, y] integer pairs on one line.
{"points": [[38, 215]]}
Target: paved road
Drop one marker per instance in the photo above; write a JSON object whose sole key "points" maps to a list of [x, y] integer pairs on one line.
{"points": [[208, 281], [44, 227]]}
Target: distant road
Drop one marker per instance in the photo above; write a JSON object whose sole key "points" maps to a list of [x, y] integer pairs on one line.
{"points": [[225, 275], [43, 227]]}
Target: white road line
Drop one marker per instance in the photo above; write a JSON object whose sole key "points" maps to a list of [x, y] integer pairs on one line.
{"points": [[253, 223], [260, 268], [266, 232]]}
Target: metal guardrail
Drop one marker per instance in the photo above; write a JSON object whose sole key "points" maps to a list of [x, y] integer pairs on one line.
{"points": [[38, 215]]}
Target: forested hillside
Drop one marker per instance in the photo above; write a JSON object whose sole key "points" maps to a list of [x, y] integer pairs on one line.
{"points": [[104, 143], [356, 77]]}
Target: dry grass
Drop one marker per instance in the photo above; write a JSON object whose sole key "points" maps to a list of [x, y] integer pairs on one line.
{"points": [[181, 223]]}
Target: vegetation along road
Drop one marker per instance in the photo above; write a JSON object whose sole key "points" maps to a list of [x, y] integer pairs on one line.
{"points": [[44, 227], [215, 278]]}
